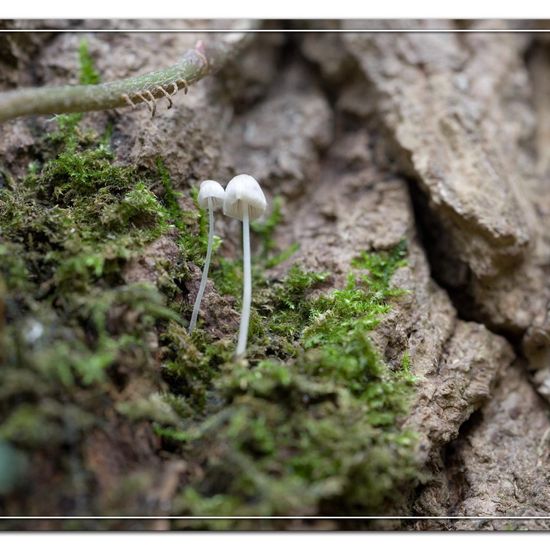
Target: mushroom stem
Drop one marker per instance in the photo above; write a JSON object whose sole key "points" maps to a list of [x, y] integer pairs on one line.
{"points": [[206, 267], [247, 286]]}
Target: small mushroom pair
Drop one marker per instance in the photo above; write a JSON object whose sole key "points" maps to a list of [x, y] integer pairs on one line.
{"points": [[244, 200]]}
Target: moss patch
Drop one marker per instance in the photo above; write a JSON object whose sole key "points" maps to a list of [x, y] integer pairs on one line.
{"points": [[72, 331], [313, 427], [67, 232]]}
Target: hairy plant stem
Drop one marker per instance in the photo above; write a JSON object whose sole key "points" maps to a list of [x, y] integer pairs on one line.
{"points": [[247, 286], [206, 267], [164, 83]]}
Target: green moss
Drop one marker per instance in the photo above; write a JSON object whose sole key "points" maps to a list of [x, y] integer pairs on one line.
{"points": [[194, 243], [153, 407], [227, 274], [315, 426], [171, 196], [265, 229], [192, 224], [88, 73], [68, 131], [27, 425], [14, 267], [81, 216], [309, 425], [282, 313], [73, 325], [380, 268], [269, 254]]}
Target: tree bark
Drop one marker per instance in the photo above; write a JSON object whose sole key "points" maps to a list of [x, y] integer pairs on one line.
{"points": [[437, 138]]}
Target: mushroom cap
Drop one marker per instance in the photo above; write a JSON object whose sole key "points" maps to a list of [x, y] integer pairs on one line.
{"points": [[211, 189], [244, 190]]}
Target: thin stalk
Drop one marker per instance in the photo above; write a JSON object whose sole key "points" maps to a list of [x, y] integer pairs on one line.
{"points": [[247, 286], [206, 267], [147, 88]]}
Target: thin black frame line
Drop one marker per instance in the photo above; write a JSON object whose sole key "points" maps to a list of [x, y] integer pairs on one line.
{"points": [[291, 31], [198, 518]]}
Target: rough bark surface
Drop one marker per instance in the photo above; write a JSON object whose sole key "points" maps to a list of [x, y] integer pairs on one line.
{"points": [[370, 138]]}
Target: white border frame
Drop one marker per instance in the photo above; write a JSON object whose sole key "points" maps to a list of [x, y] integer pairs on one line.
{"points": [[340, 31]]}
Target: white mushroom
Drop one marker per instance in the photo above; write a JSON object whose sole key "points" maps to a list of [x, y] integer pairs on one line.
{"points": [[211, 196], [244, 200]]}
